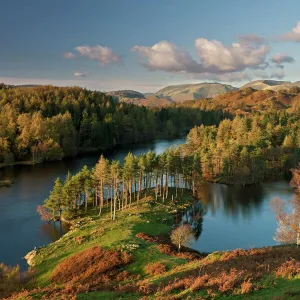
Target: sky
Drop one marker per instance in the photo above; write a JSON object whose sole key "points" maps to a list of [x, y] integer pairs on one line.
{"points": [[145, 45]]}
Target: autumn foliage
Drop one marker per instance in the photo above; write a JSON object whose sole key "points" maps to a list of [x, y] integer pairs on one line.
{"points": [[90, 265], [155, 268]]}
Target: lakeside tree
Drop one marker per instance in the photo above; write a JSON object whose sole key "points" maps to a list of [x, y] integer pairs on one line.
{"points": [[288, 214], [182, 235], [247, 150], [119, 187]]}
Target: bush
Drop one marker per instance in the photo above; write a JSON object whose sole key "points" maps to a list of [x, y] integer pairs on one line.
{"points": [[90, 265], [11, 279], [288, 269], [155, 268]]}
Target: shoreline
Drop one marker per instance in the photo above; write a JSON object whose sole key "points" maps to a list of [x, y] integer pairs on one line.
{"points": [[86, 151]]}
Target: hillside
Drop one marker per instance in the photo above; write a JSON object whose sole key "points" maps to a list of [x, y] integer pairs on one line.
{"points": [[131, 258], [248, 100], [127, 96], [272, 85], [263, 84], [184, 92]]}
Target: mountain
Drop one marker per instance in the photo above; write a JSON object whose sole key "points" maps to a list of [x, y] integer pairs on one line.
{"points": [[148, 99], [264, 84], [248, 100], [184, 92], [272, 85], [127, 96]]}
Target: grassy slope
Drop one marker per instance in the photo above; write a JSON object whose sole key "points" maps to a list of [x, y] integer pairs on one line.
{"points": [[120, 233]]}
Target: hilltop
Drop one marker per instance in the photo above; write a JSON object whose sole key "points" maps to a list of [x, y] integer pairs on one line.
{"points": [[272, 85], [184, 92]]}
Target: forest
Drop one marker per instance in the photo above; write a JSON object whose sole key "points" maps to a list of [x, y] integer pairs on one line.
{"points": [[247, 150], [46, 123], [111, 185]]}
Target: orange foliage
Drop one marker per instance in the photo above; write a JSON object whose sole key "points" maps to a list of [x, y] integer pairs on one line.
{"points": [[155, 268], [288, 269], [88, 265]]}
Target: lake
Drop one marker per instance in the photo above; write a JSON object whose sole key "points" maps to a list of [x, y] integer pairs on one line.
{"points": [[231, 216]]}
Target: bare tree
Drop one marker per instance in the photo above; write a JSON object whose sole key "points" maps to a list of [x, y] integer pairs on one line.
{"points": [[182, 235], [44, 213], [288, 218]]}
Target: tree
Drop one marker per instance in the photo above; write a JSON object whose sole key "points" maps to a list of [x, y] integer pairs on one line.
{"points": [[115, 170], [182, 235], [102, 176], [55, 200], [288, 230], [44, 213]]}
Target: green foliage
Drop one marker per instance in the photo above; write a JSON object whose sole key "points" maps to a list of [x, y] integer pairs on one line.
{"points": [[247, 150]]}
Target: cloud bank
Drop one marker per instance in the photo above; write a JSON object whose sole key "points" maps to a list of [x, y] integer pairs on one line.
{"points": [[242, 60]]}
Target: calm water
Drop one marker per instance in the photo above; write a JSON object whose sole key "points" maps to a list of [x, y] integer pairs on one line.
{"points": [[227, 217], [20, 227], [230, 217]]}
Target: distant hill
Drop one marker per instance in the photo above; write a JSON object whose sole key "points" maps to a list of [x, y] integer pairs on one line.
{"points": [[272, 85], [248, 100], [137, 98], [127, 96], [184, 92], [252, 96], [264, 84]]}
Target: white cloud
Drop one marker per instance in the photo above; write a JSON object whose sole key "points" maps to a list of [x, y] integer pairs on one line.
{"points": [[102, 54], [167, 57], [280, 58], [81, 74], [217, 57], [239, 61], [293, 36], [69, 55]]}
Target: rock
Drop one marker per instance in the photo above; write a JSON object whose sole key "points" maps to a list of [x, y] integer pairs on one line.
{"points": [[30, 257]]}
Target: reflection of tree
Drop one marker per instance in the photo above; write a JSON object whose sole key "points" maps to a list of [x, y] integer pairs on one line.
{"points": [[234, 201], [194, 217], [54, 230]]}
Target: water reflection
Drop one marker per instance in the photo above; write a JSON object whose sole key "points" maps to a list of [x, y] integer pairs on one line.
{"points": [[236, 202], [235, 216], [54, 230], [194, 217]]}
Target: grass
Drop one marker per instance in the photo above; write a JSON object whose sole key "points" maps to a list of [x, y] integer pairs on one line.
{"points": [[157, 220]]}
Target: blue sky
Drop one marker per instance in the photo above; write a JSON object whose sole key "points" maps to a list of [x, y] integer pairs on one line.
{"points": [[145, 45]]}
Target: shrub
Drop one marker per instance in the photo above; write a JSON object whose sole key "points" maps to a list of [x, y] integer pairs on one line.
{"points": [[11, 279], [288, 269], [246, 286], [155, 268], [90, 265]]}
